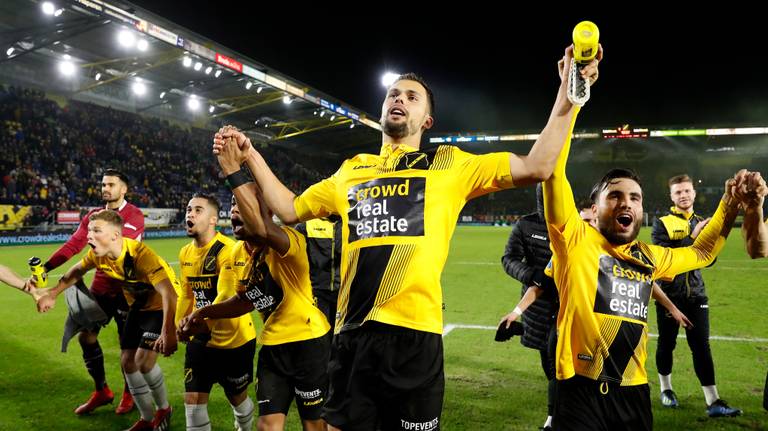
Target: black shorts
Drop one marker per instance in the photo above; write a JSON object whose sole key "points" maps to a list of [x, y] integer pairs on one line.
{"points": [[230, 368], [115, 307], [293, 370], [387, 378], [589, 405], [141, 329]]}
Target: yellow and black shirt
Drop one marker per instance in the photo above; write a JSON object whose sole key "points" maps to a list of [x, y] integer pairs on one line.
{"points": [[279, 288], [399, 210], [139, 268], [605, 289], [204, 281]]}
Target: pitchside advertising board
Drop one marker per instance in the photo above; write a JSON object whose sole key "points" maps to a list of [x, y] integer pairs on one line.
{"points": [[153, 217], [156, 220]]}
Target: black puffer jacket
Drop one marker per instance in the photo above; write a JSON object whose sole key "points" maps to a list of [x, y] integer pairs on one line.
{"points": [[526, 255]]}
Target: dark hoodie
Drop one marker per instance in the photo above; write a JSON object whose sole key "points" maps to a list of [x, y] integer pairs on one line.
{"points": [[526, 255]]}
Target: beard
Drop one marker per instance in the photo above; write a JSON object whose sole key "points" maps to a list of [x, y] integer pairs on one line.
{"points": [[395, 130], [609, 232]]}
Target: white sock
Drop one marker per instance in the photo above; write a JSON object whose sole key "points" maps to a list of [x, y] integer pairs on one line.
{"points": [[548, 423], [710, 394], [665, 382], [156, 384], [244, 414], [197, 417], [141, 394]]}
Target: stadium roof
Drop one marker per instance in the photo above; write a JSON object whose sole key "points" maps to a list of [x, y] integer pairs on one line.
{"points": [[118, 54]]}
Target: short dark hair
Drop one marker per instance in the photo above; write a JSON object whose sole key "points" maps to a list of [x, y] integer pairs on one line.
{"points": [[613, 174], [115, 173], [410, 76], [677, 179], [584, 204], [109, 216], [212, 201]]}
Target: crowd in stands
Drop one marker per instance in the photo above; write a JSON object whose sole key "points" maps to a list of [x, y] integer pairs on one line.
{"points": [[52, 157]]}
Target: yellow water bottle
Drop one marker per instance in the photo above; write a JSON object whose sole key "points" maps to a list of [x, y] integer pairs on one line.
{"points": [[586, 37], [38, 272]]}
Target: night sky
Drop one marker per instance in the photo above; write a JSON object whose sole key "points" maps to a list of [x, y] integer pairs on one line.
{"points": [[492, 70]]}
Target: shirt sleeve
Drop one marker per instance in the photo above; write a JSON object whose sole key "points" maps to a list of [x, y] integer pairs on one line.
{"points": [[74, 245], [134, 225], [153, 266], [227, 284], [672, 261], [482, 174], [563, 222], [184, 296], [319, 200]]}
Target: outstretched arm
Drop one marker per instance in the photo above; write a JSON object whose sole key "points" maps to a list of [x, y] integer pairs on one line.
{"points": [[538, 165]]}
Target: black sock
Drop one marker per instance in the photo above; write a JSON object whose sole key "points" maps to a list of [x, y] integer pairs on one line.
{"points": [[94, 363]]}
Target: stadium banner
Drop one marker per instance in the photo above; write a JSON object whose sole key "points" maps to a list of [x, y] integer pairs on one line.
{"points": [[67, 217], [229, 62], [253, 73], [12, 216], [33, 238], [158, 217]]}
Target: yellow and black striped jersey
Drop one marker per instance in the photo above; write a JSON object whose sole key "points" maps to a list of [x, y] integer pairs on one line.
{"points": [[605, 289], [204, 282], [399, 210], [279, 288], [139, 268]]}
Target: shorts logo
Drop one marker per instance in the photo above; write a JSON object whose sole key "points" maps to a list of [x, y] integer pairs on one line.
{"points": [[188, 375], [623, 289], [150, 336], [420, 426], [386, 207], [308, 395]]}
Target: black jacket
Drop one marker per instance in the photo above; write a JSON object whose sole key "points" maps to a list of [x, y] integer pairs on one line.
{"points": [[526, 255], [323, 252], [673, 230]]}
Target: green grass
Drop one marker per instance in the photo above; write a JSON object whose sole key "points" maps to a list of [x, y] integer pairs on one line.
{"points": [[489, 386]]}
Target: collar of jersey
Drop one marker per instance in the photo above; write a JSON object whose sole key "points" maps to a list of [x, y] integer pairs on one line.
{"points": [[674, 210], [386, 150]]}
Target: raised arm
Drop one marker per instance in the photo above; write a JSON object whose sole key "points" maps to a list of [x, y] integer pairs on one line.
{"points": [[538, 165], [277, 196]]}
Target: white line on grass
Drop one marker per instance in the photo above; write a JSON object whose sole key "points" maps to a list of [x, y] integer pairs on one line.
{"points": [[448, 328]]}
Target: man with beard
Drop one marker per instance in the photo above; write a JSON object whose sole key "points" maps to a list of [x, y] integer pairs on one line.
{"points": [[605, 278], [222, 353], [399, 210], [527, 247], [149, 286], [105, 290], [679, 229], [271, 273]]}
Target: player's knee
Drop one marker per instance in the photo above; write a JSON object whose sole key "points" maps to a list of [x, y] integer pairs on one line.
{"points": [[194, 398], [272, 422], [314, 425], [237, 399], [87, 338]]}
